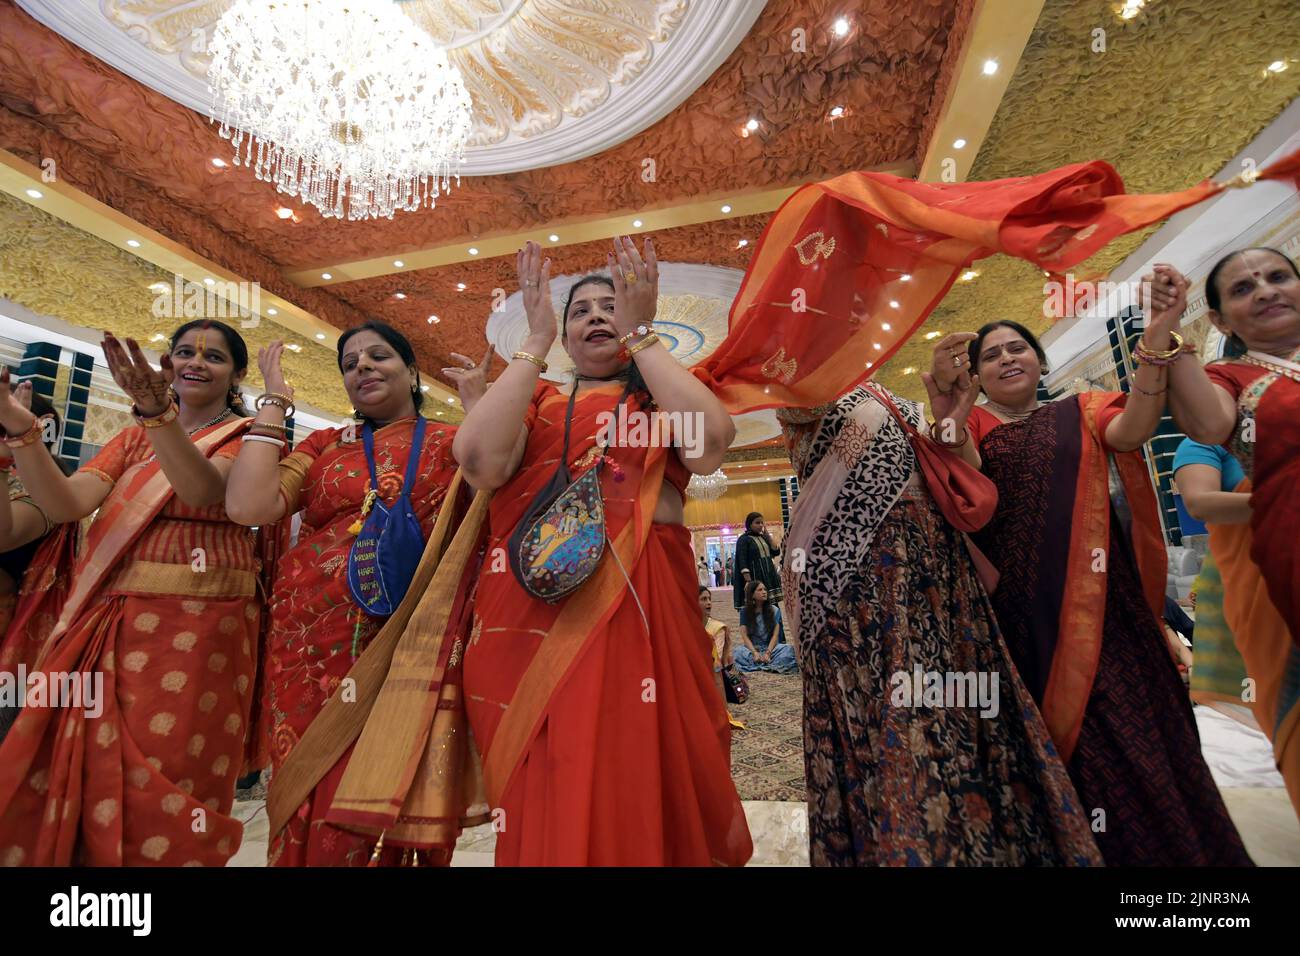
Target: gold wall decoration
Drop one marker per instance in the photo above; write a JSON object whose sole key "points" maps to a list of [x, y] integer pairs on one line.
{"points": [[1177, 92], [55, 269]]}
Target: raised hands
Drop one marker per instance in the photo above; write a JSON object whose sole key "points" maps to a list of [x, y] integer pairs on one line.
{"points": [[1164, 300], [147, 387], [268, 362], [471, 379], [535, 283], [952, 387], [636, 284], [15, 407]]}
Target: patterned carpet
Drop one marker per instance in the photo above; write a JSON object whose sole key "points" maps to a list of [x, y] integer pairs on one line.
{"points": [[767, 756]]}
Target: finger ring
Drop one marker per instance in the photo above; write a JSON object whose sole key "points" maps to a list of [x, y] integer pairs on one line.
{"points": [[630, 277], [956, 361], [531, 283]]}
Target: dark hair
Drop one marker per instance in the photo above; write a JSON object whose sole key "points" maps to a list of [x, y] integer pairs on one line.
{"points": [[750, 610], [987, 329], [636, 383], [238, 355], [749, 519], [400, 344], [704, 589]]}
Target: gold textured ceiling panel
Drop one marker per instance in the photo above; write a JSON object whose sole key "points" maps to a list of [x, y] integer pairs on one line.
{"points": [[55, 269], [1176, 93]]}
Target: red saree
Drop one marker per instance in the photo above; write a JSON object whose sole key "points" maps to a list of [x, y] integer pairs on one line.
{"points": [[604, 739], [317, 630], [163, 607]]}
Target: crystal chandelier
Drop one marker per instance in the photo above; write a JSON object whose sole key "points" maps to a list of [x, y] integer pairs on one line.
{"points": [[707, 487], [345, 103]]}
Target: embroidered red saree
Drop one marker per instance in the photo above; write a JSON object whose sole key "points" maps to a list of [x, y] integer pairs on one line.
{"points": [[163, 606], [318, 631], [604, 740]]}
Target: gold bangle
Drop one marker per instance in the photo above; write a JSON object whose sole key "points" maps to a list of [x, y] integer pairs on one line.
{"points": [[29, 437], [639, 330], [279, 428], [1161, 356], [645, 343], [529, 357], [165, 417], [282, 402]]}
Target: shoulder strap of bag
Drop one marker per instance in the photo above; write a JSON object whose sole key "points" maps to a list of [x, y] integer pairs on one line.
{"points": [[908, 428], [412, 462]]}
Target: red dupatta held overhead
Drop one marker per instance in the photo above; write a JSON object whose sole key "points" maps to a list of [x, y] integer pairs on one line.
{"points": [[814, 317]]}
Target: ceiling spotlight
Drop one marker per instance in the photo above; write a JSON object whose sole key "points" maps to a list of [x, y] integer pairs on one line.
{"points": [[968, 275], [1277, 66], [933, 335], [1131, 8], [321, 336], [869, 364], [959, 144], [434, 320], [742, 244], [990, 67], [218, 162], [36, 194], [157, 337], [553, 237], [726, 209], [877, 346], [837, 111], [326, 275], [133, 243], [752, 125], [398, 263], [460, 286], [636, 223], [451, 401], [159, 287], [425, 388], [294, 347], [910, 370], [841, 27], [273, 311], [905, 277], [284, 212], [208, 280], [399, 295], [886, 326], [893, 303], [473, 250]]}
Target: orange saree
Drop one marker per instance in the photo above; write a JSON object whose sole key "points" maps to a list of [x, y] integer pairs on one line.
{"points": [[604, 739], [159, 629]]}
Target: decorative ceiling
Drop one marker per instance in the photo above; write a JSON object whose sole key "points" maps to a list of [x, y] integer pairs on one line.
{"points": [[551, 81], [1176, 93]]}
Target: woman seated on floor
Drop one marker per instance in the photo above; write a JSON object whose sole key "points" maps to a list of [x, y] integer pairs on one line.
{"points": [[762, 635]]}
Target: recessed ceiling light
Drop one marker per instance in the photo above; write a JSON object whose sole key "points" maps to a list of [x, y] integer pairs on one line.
{"points": [[869, 364], [218, 162], [905, 277], [553, 237], [636, 223], [752, 125], [886, 326], [434, 320], [990, 67], [399, 295], [959, 144], [1131, 8], [157, 337], [837, 111], [841, 27], [1277, 66], [460, 286], [968, 275], [893, 303], [208, 280], [272, 311], [133, 243], [933, 335], [294, 347], [284, 212], [726, 209], [326, 275], [36, 194], [473, 250], [398, 263], [451, 401], [742, 244], [425, 388], [320, 335], [877, 346], [159, 287], [909, 370]]}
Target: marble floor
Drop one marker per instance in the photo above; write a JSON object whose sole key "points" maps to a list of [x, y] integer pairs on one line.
{"points": [[1240, 759]]}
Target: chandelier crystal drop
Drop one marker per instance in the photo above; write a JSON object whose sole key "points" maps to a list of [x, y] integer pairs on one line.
{"points": [[707, 487], [345, 103]]}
